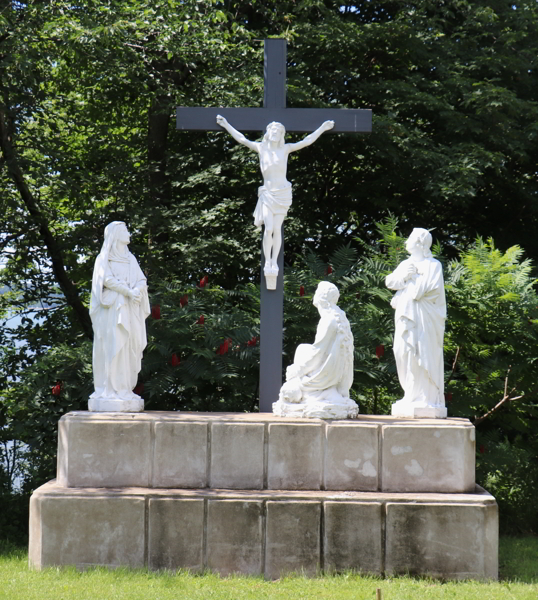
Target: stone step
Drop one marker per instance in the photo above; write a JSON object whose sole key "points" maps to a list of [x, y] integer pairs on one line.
{"points": [[264, 532], [262, 451]]}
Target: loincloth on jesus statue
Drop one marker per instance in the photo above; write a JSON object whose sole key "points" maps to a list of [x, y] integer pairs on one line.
{"points": [[276, 201]]}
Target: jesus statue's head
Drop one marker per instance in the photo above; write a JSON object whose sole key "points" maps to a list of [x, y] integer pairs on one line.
{"points": [[275, 132]]}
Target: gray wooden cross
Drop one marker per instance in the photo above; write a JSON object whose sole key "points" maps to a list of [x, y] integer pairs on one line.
{"points": [[257, 119]]}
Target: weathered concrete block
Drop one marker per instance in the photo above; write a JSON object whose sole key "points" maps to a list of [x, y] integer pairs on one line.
{"points": [[194, 450], [434, 458], [352, 457], [353, 537], [293, 538], [234, 536], [453, 541], [180, 456], [237, 455], [444, 535], [106, 529], [113, 452], [176, 533], [294, 456]]}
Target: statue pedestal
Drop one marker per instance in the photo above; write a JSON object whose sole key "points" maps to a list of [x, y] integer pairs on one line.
{"points": [[271, 276], [134, 405], [259, 494], [411, 411], [337, 408]]}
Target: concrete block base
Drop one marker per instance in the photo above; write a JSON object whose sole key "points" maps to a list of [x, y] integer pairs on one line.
{"points": [[261, 451], [266, 532], [264, 495]]}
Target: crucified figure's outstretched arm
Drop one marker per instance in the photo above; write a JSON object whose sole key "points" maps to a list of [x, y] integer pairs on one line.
{"points": [[311, 138], [237, 135]]}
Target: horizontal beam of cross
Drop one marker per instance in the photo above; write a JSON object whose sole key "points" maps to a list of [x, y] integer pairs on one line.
{"points": [[257, 119]]}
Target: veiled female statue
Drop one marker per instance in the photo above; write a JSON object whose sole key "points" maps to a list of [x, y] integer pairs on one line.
{"points": [[420, 313], [119, 307], [318, 382]]}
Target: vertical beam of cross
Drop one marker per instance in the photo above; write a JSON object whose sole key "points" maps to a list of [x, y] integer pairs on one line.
{"points": [[272, 301]]}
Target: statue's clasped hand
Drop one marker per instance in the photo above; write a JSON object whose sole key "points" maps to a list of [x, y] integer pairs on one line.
{"points": [[410, 271], [135, 295]]}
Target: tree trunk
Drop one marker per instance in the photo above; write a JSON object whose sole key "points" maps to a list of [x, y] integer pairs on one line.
{"points": [[68, 288]]}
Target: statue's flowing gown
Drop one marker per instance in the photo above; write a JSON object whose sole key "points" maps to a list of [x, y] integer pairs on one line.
{"points": [[118, 325], [327, 364]]}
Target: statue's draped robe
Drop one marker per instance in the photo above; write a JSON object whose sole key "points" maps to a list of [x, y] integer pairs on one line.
{"points": [[420, 313], [277, 202], [327, 364], [118, 325]]}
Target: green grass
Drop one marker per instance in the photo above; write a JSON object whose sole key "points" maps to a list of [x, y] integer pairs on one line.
{"points": [[518, 559], [518, 562]]}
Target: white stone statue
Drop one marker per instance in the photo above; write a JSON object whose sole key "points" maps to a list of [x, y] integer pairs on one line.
{"points": [[317, 383], [420, 313], [119, 307], [274, 196]]}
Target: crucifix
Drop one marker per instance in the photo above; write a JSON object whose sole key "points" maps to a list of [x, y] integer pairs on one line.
{"points": [[273, 114]]}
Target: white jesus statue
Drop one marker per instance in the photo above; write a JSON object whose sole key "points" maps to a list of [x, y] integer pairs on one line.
{"points": [[274, 196]]}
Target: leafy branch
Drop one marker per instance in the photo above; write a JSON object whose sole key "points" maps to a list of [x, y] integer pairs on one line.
{"points": [[506, 398]]}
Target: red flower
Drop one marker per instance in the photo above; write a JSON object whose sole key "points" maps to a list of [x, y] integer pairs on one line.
{"points": [[174, 360], [223, 348], [448, 397], [482, 449], [57, 389], [156, 311], [301, 291], [184, 300], [380, 351], [329, 270], [139, 389], [253, 341], [201, 320], [203, 281]]}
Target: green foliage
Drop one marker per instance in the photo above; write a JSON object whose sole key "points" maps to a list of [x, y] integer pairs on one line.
{"points": [[490, 347], [203, 351]]}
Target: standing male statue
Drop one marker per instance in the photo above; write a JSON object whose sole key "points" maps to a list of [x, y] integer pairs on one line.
{"points": [[274, 196], [419, 318]]}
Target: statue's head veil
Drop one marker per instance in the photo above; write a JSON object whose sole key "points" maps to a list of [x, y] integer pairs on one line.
{"points": [[424, 238], [108, 248], [328, 292]]}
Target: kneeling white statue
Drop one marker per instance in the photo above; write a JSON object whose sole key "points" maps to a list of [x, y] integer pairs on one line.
{"points": [[318, 382], [419, 318], [119, 307]]}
